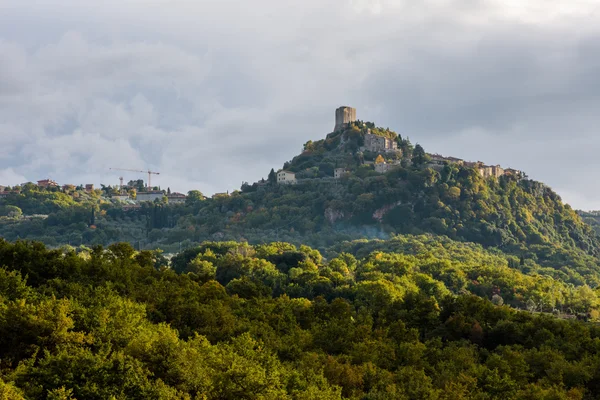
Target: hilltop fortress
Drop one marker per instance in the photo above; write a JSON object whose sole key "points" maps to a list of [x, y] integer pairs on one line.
{"points": [[343, 117], [380, 149], [346, 116]]}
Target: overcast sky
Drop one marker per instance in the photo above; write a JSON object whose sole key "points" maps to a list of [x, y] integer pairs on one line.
{"points": [[211, 93]]}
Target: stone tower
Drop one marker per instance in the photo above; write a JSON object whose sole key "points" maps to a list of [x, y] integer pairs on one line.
{"points": [[343, 116]]}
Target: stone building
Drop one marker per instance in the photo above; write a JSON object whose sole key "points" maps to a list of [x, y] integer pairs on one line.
{"points": [[286, 177], [384, 167], [343, 116], [149, 196], [176, 198], [490, 170], [454, 160], [377, 143], [46, 183], [120, 197], [438, 159], [339, 173], [514, 172]]}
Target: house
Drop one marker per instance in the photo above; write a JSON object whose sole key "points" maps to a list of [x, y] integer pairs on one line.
{"points": [[338, 173], [490, 170], [46, 183], [4, 194], [441, 160], [120, 197], [454, 160], [376, 143], [384, 167], [437, 159], [514, 172], [68, 187], [89, 187], [286, 177], [176, 198], [149, 196]]}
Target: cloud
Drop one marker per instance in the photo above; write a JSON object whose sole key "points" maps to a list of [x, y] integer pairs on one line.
{"points": [[9, 177], [212, 94]]}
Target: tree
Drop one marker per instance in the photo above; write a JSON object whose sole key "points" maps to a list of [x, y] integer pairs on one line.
{"points": [[272, 178], [531, 306], [309, 146], [137, 184], [11, 211], [497, 300], [418, 156], [194, 197]]}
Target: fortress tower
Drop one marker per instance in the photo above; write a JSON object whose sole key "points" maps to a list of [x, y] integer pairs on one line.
{"points": [[343, 116]]}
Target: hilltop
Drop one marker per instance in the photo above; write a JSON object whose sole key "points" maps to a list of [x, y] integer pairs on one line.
{"points": [[359, 181]]}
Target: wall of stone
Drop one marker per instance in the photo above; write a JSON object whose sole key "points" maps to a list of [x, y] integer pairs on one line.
{"points": [[343, 116]]}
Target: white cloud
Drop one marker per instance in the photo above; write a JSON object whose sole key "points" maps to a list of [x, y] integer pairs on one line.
{"points": [[9, 177]]}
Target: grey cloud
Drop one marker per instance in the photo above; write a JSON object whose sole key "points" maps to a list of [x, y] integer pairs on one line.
{"points": [[212, 94]]}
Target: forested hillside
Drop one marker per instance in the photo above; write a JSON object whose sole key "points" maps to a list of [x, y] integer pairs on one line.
{"points": [[518, 216], [234, 321], [592, 218]]}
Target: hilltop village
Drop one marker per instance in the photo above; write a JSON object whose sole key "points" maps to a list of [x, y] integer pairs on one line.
{"points": [[379, 149], [129, 196], [372, 149]]}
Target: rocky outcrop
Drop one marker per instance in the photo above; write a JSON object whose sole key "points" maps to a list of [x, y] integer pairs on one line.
{"points": [[332, 215], [380, 213]]}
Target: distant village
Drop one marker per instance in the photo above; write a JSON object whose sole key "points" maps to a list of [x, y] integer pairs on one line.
{"points": [[129, 198], [345, 116]]}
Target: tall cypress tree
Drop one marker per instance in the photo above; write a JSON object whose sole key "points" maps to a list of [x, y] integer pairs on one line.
{"points": [[272, 177]]}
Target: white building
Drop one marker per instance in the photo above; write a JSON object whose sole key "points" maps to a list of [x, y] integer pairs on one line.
{"points": [[176, 198], [286, 177], [120, 197], [384, 167], [339, 173], [149, 196]]}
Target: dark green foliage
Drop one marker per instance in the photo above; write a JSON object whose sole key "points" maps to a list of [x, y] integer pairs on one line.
{"points": [[418, 156], [272, 178], [105, 323]]}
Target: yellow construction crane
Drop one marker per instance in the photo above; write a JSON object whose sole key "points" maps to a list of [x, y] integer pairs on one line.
{"points": [[150, 173]]}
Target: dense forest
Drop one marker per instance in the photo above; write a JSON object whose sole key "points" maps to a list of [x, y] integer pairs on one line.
{"points": [[592, 218], [235, 321]]}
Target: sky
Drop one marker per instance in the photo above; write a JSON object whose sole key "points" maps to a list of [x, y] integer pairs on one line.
{"points": [[211, 93]]}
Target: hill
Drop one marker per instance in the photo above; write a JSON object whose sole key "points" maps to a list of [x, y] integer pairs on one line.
{"points": [[385, 187]]}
